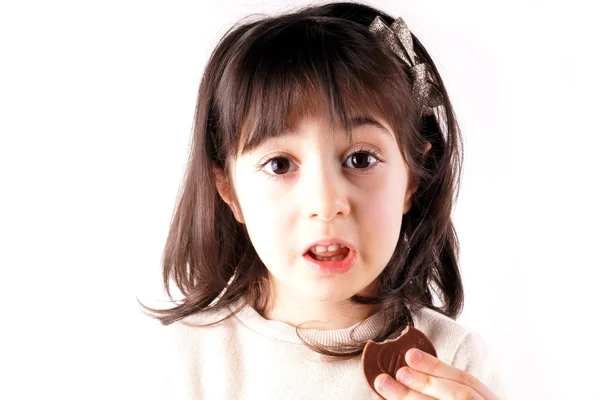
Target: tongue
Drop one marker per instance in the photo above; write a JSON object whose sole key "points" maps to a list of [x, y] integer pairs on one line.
{"points": [[329, 254]]}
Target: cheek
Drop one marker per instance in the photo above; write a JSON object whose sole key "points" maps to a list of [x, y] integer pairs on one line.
{"points": [[381, 218], [261, 203], [266, 217]]}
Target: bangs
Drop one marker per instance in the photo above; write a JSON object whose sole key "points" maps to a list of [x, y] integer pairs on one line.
{"points": [[302, 68]]}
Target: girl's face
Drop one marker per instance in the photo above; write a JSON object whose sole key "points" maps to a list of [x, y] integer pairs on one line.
{"points": [[314, 184]]}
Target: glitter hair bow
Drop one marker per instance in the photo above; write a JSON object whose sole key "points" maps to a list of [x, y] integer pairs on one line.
{"points": [[399, 39]]}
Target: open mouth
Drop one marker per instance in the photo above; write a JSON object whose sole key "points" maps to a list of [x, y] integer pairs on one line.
{"points": [[333, 259], [336, 255]]}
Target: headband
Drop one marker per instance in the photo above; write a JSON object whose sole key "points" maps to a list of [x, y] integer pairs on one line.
{"points": [[399, 39]]}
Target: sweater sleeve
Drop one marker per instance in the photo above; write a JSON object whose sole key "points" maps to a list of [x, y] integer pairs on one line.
{"points": [[473, 357]]}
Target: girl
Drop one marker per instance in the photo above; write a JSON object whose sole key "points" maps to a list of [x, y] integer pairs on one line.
{"points": [[315, 215]]}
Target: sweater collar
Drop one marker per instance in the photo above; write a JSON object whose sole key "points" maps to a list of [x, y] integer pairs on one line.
{"points": [[278, 330]]}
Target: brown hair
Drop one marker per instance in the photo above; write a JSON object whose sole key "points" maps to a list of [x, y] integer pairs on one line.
{"points": [[263, 76]]}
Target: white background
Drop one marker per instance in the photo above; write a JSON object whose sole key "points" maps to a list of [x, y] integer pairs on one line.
{"points": [[96, 104]]}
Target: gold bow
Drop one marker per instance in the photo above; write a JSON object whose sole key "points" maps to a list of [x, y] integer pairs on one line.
{"points": [[399, 39]]}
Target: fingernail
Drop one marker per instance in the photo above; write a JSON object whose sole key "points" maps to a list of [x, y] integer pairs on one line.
{"points": [[416, 356], [405, 375], [386, 384]]}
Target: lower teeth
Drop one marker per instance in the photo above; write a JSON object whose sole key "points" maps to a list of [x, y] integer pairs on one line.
{"points": [[341, 257]]}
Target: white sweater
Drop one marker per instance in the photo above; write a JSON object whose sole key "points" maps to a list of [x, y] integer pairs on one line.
{"points": [[250, 357]]}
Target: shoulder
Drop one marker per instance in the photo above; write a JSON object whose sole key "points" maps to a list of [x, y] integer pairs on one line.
{"points": [[200, 324], [445, 333], [460, 347], [192, 349]]}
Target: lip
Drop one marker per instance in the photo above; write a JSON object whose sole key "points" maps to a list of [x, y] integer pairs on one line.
{"points": [[332, 267], [327, 242]]}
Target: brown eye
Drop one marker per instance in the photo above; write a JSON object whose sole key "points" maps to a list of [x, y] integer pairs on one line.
{"points": [[279, 165], [361, 160]]}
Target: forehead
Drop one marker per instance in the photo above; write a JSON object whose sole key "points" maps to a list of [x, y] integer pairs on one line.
{"points": [[354, 116], [299, 71]]}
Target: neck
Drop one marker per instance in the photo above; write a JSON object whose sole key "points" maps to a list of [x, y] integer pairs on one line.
{"points": [[288, 306]]}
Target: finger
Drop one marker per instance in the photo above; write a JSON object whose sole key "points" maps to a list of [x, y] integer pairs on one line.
{"points": [[391, 389], [430, 365], [438, 388]]}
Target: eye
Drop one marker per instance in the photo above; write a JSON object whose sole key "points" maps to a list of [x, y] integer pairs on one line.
{"points": [[278, 165], [361, 160]]}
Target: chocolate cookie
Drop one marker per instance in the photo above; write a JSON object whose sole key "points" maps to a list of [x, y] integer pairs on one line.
{"points": [[389, 356]]}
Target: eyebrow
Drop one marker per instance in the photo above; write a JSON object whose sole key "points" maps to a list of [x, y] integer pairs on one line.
{"points": [[356, 122]]}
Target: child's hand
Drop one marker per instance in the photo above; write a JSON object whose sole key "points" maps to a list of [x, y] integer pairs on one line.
{"points": [[429, 378]]}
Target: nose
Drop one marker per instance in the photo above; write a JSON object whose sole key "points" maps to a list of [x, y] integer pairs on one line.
{"points": [[324, 194]]}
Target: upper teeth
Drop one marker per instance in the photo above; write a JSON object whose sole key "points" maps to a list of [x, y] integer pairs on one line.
{"points": [[325, 249]]}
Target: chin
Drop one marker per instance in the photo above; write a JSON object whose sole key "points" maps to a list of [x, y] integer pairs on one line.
{"points": [[332, 294]]}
